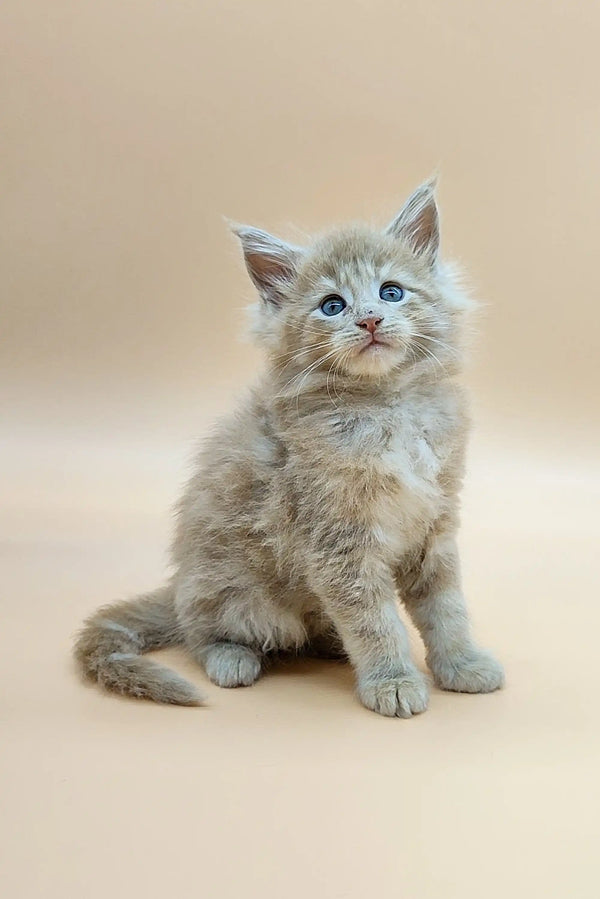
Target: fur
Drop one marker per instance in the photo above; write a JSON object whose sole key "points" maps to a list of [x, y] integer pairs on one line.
{"points": [[332, 490]]}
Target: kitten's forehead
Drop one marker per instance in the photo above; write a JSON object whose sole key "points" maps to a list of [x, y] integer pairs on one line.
{"points": [[351, 256]]}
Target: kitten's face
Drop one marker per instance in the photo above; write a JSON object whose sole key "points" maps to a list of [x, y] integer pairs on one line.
{"points": [[365, 300], [358, 302]]}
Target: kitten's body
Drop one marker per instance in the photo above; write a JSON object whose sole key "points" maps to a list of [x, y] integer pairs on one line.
{"points": [[333, 486]]}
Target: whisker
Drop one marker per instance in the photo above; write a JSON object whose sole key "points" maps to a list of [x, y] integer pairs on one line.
{"points": [[327, 385], [431, 356], [295, 354], [336, 369], [303, 349], [441, 343], [307, 370], [305, 328]]}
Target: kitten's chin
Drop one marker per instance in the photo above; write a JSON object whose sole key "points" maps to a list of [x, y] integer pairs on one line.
{"points": [[375, 360]]}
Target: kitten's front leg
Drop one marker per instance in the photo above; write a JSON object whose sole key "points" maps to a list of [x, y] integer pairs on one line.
{"points": [[432, 593], [358, 593]]}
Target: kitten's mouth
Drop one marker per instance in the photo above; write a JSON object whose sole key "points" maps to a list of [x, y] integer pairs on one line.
{"points": [[373, 344]]}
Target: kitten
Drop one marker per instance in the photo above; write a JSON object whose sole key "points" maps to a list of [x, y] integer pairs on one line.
{"points": [[331, 489]]}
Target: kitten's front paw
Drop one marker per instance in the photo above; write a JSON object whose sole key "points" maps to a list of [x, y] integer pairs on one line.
{"points": [[396, 697], [474, 671]]}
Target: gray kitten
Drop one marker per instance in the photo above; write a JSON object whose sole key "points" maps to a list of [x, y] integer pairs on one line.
{"points": [[331, 490]]}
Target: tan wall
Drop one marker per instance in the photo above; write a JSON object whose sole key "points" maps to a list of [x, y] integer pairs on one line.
{"points": [[131, 128]]}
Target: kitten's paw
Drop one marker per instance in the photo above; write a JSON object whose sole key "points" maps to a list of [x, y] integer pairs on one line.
{"points": [[231, 664], [475, 671], [399, 697]]}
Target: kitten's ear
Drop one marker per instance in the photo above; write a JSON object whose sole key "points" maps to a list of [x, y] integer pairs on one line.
{"points": [[272, 264], [418, 222]]}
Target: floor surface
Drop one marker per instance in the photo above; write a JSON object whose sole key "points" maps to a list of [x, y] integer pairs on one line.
{"points": [[291, 787]]}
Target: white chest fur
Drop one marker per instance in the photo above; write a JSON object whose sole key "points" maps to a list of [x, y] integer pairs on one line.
{"points": [[408, 498], [394, 462]]}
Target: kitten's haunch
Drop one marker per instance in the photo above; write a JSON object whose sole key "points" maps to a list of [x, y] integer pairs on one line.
{"points": [[332, 491]]}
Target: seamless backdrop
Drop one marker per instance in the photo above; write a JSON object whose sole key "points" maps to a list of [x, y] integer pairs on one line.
{"points": [[130, 130]]}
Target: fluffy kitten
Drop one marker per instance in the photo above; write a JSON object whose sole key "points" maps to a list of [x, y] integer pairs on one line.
{"points": [[332, 489]]}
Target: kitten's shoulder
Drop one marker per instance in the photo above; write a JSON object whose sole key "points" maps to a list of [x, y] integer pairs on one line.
{"points": [[246, 436]]}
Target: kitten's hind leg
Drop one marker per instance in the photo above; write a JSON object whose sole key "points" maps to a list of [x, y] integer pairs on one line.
{"points": [[229, 624], [230, 664]]}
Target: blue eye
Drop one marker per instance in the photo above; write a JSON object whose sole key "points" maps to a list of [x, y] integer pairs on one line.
{"points": [[332, 305], [392, 293]]}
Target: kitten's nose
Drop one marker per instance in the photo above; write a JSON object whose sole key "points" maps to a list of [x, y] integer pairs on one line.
{"points": [[369, 323]]}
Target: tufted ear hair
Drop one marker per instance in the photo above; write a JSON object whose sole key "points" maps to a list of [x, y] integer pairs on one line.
{"points": [[272, 264], [418, 222]]}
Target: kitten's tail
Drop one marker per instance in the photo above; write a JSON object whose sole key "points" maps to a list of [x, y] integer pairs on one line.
{"points": [[110, 645]]}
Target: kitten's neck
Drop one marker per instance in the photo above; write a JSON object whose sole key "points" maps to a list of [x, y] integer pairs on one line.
{"points": [[303, 394]]}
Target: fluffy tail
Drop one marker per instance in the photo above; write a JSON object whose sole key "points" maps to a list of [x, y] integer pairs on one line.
{"points": [[109, 649]]}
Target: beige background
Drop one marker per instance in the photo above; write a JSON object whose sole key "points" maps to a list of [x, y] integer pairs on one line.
{"points": [[130, 128]]}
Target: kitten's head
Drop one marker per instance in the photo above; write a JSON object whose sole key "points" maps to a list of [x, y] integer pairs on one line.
{"points": [[358, 302]]}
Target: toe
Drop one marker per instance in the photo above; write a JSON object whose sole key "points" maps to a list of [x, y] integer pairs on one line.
{"points": [[399, 697]]}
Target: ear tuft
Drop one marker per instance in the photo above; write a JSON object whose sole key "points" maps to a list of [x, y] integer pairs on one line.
{"points": [[418, 222], [272, 264]]}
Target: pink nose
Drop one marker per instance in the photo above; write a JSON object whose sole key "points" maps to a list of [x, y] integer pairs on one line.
{"points": [[369, 324]]}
